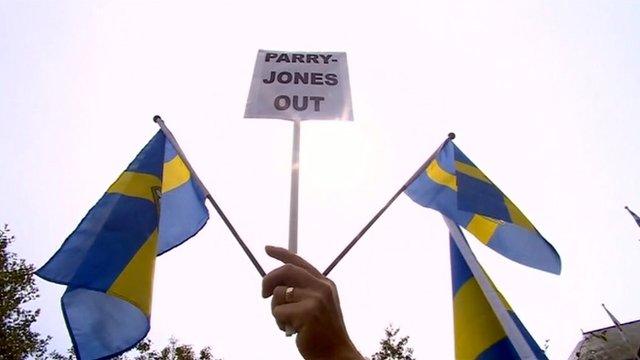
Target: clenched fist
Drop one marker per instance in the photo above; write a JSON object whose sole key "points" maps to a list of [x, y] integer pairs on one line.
{"points": [[306, 302]]}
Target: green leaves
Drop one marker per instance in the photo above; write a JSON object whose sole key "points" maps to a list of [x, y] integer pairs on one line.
{"points": [[17, 287], [392, 348], [144, 351]]}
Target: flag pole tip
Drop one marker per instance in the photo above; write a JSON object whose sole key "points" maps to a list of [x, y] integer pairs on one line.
{"points": [[452, 136], [157, 118]]}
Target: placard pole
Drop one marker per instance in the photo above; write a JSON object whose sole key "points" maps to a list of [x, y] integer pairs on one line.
{"points": [[295, 172]]}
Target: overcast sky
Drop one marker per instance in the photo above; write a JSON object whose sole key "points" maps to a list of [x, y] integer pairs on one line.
{"points": [[542, 95]]}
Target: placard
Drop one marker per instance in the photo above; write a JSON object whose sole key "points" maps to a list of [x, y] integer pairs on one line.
{"points": [[300, 86]]}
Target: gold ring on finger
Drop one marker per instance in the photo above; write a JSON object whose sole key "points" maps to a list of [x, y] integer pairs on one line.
{"points": [[288, 294]]}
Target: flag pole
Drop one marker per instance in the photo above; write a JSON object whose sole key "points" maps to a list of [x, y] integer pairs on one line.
{"points": [[293, 204], [624, 336], [404, 187], [515, 335], [158, 120]]}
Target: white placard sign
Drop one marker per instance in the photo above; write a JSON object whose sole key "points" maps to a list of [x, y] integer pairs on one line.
{"points": [[300, 86]]}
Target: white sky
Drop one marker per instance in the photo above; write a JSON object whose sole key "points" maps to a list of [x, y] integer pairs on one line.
{"points": [[542, 95]]}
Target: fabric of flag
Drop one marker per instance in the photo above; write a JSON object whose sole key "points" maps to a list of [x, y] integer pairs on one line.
{"points": [[478, 332], [633, 215], [454, 186], [108, 261]]}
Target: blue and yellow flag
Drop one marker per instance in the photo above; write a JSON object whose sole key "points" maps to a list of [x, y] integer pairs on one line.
{"points": [[479, 334], [108, 261], [454, 186]]}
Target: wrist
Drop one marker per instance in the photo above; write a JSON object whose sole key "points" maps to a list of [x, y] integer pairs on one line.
{"points": [[348, 351], [349, 354]]}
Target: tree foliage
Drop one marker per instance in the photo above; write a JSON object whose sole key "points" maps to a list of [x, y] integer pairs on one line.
{"points": [[144, 351], [17, 288], [392, 348], [173, 351]]}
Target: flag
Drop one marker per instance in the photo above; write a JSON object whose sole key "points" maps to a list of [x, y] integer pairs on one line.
{"points": [[613, 318], [485, 326], [633, 215], [635, 354], [108, 261], [454, 186]]}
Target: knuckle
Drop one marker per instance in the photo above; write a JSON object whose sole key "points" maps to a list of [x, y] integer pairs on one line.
{"points": [[315, 303], [333, 284], [318, 301], [326, 290], [288, 268]]}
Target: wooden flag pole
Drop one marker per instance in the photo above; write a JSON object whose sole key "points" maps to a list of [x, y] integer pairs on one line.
{"points": [[293, 204], [158, 120], [386, 206]]}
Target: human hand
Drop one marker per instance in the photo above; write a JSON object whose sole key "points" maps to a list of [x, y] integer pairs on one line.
{"points": [[307, 301]]}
